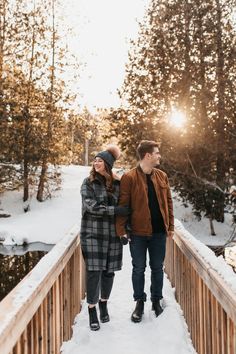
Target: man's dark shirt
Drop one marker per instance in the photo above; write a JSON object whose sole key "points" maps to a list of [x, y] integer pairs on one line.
{"points": [[156, 216]]}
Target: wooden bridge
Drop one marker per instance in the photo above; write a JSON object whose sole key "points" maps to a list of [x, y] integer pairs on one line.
{"points": [[37, 316]]}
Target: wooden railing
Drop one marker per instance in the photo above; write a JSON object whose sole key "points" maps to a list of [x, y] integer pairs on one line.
{"points": [[37, 315], [207, 301]]}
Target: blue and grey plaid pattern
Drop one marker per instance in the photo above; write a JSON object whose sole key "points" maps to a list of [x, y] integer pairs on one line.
{"points": [[102, 249]]}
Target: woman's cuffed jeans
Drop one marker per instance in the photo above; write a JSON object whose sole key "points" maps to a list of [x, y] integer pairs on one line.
{"points": [[98, 282], [156, 247]]}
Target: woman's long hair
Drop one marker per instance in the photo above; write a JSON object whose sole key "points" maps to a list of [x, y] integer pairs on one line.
{"points": [[108, 177]]}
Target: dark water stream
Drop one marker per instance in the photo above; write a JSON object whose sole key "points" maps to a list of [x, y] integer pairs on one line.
{"points": [[17, 261]]}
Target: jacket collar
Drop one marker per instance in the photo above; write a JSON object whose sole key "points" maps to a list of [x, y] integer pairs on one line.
{"points": [[141, 171]]}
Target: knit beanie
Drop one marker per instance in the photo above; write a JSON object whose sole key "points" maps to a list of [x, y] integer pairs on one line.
{"points": [[110, 155]]}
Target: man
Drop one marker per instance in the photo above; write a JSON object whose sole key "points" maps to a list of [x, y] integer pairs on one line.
{"points": [[146, 190]]}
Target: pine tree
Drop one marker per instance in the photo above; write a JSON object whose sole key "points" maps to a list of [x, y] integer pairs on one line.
{"points": [[181, 61], [32, 101]]}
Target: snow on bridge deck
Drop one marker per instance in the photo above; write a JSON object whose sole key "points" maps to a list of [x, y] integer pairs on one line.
{"points": [[167, 334]]}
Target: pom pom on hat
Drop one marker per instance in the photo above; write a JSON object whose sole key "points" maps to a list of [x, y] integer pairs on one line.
{"points": [[109, 155], [114, 150]]}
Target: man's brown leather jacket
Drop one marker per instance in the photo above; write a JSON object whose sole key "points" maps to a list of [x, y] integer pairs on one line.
{"points": [[134, 193]]}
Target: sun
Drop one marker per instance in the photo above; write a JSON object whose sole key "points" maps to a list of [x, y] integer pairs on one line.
{"points": [[177, 118]]}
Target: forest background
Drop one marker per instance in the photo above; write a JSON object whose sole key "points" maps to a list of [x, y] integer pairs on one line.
{"points": [[179, 90]]}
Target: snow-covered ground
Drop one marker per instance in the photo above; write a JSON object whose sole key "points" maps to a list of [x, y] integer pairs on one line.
{"points": [[46, 222], [166, 334], [201, 229], [49, 221]]}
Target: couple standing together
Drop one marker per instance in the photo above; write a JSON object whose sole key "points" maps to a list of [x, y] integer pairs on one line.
{"points": [[137, 210]]}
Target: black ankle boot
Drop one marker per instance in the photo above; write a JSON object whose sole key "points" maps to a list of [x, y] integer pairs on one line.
{"points": [[104, 316], [157, 307], [93, 319], [138, 311]]}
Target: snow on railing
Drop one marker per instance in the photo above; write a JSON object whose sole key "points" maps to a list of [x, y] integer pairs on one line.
{"points": [[37, 315], [217, 263], [206, 291]]}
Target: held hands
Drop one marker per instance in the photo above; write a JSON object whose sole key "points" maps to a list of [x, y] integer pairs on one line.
{"points": [[124, 240], [122, 210]]}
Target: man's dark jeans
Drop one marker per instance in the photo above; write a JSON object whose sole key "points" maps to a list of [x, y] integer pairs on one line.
{"points": [[156, 247]]}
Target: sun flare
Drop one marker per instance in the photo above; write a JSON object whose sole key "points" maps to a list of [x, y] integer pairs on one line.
{"points": [[177, 118]]}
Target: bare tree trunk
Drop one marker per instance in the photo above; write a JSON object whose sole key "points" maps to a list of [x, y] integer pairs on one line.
{"points": [[46, 153], [4, 126], [221, 110], [212, 227], [86, 152], [26, 154], [26, 116], [202, 72], [2, 42], [187, 76], [42, 181]]}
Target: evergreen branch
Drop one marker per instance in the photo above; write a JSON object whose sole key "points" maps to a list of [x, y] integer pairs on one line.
{"points": [[202, 181]]}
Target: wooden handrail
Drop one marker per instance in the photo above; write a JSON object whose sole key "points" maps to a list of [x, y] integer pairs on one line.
{"points": [[207, 300], [37, 315]]}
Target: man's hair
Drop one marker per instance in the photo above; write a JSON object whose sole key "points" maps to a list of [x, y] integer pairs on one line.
{"points": [[146, 146]]}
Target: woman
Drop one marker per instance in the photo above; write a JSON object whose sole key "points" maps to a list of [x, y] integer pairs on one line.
{"points": [[101, 248]]}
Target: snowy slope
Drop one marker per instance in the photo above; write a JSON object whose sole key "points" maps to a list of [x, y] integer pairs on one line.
{"points": [[201, 229], [49, 221]]}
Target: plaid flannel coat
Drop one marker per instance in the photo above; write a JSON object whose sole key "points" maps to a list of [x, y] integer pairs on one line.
{"points": [[101, 248]]}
